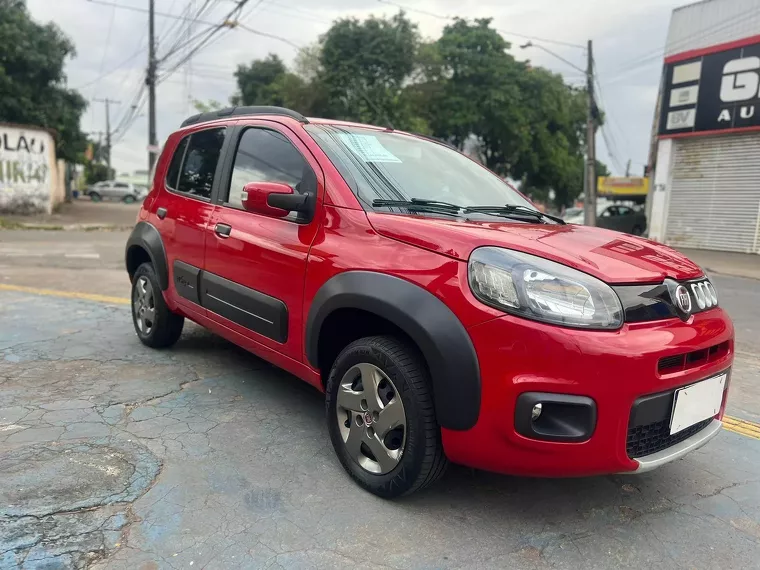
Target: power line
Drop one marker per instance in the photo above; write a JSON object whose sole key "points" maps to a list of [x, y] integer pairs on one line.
{"points": [[650, 57], [505, 32], [228, 22], [113, 70]]}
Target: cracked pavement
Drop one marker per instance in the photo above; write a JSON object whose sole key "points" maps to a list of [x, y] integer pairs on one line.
{"points": [[113, 455]]}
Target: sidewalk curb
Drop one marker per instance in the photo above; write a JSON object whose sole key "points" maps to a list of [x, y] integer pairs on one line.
{"points": [[64, 227], [732, 274]]}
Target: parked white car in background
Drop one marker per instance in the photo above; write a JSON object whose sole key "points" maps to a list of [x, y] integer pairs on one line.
{"points": [[115, 190]]}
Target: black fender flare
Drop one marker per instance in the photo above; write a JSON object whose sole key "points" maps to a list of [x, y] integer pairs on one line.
{"points": [[147, 237], [436, 330]]}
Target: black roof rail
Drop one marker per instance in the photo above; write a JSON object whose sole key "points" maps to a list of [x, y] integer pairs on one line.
{"points": [[241, 112]]}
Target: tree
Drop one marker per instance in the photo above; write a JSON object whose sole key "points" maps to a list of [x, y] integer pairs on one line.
{"points": [[472, 83], [32, 81], [206, 106], [268, 82], [364, 67]]}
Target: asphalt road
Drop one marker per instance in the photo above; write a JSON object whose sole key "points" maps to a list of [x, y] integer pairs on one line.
{"points": [[113, 455]]}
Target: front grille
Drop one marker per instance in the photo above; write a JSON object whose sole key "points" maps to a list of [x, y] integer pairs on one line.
{"points": [[679, 362], [650, 438]]}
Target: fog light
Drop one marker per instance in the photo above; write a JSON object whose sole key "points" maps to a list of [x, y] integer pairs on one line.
{"points": [[536, 412]]}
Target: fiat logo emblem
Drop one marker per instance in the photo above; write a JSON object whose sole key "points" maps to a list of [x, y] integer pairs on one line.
{"points": [[683, 299]]}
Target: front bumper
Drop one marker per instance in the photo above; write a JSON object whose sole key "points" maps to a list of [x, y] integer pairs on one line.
{"points": [[677, 451], [614, 369]]}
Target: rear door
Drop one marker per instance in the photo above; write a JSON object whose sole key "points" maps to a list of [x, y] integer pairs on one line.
{"points": [[119, 190], [182, 212], [256, 265]]}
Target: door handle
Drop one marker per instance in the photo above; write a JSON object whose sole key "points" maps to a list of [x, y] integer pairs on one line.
{"points": [[161, 213], [222, 230]]}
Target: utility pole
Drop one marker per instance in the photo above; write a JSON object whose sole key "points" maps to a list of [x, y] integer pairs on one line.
{"points": [[589, 190], [107, 103], [628, 168], [150, 81]]}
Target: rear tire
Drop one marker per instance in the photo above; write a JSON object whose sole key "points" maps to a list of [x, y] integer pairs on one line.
{"points": [[94, 196], [381, 418], [637, 231], [129, 199], [156, 326]]}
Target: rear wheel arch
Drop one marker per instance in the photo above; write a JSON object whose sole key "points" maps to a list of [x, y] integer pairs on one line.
{"points": [[145, 242], [395, 306]]}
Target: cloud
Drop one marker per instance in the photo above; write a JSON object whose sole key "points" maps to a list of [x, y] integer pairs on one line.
{"points": [[114, 41]]}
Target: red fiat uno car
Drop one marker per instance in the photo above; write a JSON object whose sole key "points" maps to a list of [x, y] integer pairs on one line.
{"points": [[444, 317]]}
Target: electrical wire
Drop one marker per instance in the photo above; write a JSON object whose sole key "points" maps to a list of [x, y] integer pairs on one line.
{"points": [[505, 32], [650, 57], [209, 35], [112, 70]]}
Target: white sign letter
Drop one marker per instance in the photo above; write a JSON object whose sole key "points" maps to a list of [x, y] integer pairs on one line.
{"points": [[740, 80]]}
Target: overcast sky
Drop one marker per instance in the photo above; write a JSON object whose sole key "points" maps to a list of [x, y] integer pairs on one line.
{"points": [[628, 36]]}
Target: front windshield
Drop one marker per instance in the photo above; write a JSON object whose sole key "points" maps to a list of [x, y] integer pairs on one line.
{"points": [[384, 165]]}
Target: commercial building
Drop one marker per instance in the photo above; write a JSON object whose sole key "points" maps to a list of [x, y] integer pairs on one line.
{"points": [[706, 187]]}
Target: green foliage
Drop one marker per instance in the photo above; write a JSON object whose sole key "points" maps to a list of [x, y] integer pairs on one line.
{"points": [[206, 106], [364, 67], [96, 172], [464, 88], [32, 81]]}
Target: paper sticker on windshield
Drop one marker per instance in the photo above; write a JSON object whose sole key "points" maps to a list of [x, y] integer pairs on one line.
{"points": [[368, 148]]}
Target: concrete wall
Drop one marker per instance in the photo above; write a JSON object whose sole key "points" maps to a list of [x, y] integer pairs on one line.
{"points": [[28, 170]]}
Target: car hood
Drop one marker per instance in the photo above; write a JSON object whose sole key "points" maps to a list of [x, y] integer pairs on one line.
{"points": [[608, 255]]}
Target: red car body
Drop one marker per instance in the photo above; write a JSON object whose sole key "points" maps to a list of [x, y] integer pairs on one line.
{"points": [[515, 355]]}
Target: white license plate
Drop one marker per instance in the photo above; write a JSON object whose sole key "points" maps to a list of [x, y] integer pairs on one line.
{"points": [[697, 402]]}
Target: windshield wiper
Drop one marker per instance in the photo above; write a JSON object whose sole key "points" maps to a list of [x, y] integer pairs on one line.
{"points": [[509, 210], [415, 203], [517, 210]]}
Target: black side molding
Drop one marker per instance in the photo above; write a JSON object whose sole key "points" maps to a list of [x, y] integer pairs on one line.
{"points": [[145, 237], [247, 307], [438, 333], [187, 281]]}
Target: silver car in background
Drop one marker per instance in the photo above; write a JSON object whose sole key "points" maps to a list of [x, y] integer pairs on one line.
{"points": [[115, 190]]}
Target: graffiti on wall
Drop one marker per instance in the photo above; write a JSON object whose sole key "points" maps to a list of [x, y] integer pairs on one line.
{"points": [[27, 160]]}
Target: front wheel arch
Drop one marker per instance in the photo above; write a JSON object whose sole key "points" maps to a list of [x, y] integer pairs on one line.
{"points": [[424, 319]]}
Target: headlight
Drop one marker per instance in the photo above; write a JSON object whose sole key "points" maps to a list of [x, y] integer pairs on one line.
{"points": [[542, 290]]}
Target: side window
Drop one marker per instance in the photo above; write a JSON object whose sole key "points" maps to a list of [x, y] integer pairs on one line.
{"points": [[624, 211], [172, 173], [264, 155], [197, 173], [120, 185]]}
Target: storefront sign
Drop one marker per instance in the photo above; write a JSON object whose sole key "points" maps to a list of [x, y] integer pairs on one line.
{"points": [[622, 186], [712, 92]]}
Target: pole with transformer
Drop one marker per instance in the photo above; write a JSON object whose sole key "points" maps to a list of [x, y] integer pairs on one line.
{"points": [[589, 190], [150, 81], [589, 167]]}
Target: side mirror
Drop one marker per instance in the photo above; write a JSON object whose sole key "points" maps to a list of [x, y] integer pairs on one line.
{"points": [[273, 199]]}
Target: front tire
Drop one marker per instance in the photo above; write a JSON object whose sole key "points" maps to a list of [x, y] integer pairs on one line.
{"points": [[128, 199], [95, 197], [381, 418], [156, 326]]}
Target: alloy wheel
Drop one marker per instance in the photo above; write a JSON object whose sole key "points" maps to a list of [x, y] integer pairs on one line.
{"points": [[371, 418], [143, 305]]}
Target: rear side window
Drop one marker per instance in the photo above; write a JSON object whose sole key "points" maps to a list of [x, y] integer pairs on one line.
{"points": [[193, 165], [172, 174]]}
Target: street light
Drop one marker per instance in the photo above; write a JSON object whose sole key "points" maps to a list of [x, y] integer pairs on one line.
{"points": [[589, 172]]}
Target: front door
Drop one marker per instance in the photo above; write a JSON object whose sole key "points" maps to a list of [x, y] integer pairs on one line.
{"points": [[182, 212], [256, 265]]}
